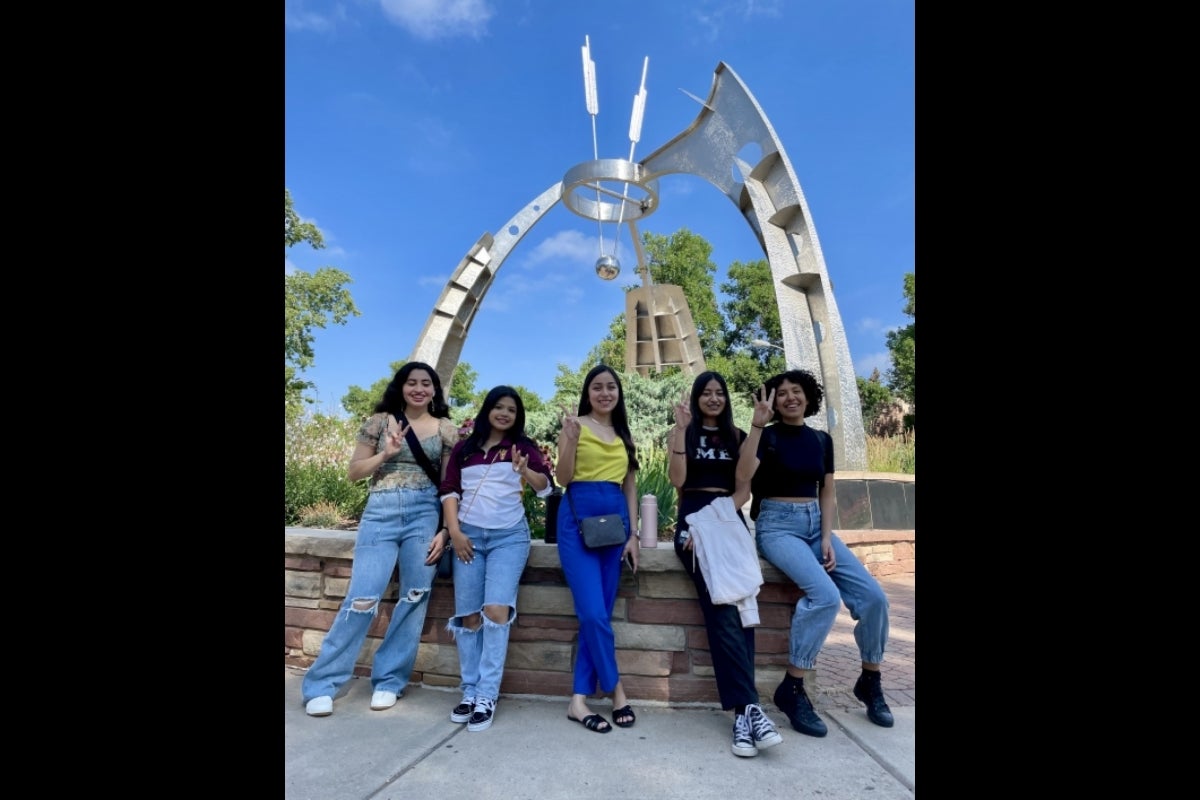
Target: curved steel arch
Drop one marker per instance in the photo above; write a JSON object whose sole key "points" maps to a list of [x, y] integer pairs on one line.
{"points": [[766, 193]]}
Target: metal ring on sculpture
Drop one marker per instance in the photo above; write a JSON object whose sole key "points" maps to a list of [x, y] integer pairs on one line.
{"points": [[586, 177]]}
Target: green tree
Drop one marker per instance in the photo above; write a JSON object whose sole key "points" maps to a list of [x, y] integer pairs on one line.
{"points": [[872, 396], [685, 259], [902, 344], [751, 309], [311, 300], [752, 313], [462, 385]]}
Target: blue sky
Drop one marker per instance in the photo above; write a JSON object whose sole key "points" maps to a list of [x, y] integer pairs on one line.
{"points": [[414, 126]]}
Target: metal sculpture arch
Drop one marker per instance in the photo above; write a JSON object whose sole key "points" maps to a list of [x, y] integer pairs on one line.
{"points": [[766, 193]]}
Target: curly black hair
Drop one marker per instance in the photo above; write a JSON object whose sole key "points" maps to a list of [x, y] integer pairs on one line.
{"points": [[813, 391]]}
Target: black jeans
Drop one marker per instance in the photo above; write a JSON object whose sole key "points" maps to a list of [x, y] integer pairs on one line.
{"points": [[730, 645]]}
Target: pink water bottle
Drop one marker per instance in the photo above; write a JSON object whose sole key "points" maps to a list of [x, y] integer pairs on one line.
{"points": [[649, 529]]}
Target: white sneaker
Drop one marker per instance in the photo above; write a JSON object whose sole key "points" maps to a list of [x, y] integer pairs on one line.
{"points": [[743, 740], [382, 699], [485, 711], [319, 706], [761, 727], [462, 711]]}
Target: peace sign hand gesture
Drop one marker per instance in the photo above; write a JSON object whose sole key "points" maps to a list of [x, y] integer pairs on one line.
{"points": [[394, 438], [683, 411], [570, 425]]}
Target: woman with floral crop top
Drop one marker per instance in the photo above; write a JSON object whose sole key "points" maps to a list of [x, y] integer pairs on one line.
{"points": [[597, 464], [398, 525], [791, 469]]}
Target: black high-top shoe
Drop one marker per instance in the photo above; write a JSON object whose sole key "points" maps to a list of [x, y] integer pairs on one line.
{"points": [[869, 689], [791, 699]]}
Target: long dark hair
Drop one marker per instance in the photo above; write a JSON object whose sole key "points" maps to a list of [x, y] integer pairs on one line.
{"points": [[482, 428], [393, 396], [813, 391], [726, 430], [620, 418]]}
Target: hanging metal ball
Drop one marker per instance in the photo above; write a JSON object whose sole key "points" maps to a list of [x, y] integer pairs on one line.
{"points": [[607, 267]]}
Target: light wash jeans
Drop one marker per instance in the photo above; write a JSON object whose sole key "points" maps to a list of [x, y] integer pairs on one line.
{"points": [[397, 525], [490, 579], [789, 536]]}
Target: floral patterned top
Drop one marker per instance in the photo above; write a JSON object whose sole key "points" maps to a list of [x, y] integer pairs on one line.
{"points": [[402, 471]]}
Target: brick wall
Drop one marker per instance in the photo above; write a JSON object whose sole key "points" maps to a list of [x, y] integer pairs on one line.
{"points": [[662, 647]]}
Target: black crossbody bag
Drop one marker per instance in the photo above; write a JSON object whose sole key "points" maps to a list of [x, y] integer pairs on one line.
{"points": [[602, 531], [445, 565]]}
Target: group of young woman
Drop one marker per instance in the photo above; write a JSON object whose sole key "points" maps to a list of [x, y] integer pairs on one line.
{"points": [[787, 467]]}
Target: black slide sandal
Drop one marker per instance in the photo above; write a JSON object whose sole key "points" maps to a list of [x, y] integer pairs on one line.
{"points": [[626, 711], [593, 722]]}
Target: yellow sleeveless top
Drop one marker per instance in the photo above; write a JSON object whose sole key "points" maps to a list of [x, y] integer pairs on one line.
{"points": [[596, 460]]}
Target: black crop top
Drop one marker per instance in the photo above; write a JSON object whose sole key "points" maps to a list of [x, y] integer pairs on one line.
{"points": [[793, 461], [711, 464]]}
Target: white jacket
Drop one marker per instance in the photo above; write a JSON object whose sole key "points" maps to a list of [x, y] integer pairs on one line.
{"points": [[728, 557]]}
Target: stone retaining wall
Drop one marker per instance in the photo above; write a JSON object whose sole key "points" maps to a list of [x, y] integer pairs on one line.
{"points": [[662, 646]]}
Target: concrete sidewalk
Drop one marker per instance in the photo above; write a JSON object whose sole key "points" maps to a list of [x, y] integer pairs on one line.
{"points": [[533, 751]]}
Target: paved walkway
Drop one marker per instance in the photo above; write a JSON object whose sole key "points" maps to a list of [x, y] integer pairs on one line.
{"points": [[839, 665], [532, 752]]}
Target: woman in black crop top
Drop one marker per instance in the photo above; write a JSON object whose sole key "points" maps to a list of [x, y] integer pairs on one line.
{"points": [[703, 453], [790, 466]]}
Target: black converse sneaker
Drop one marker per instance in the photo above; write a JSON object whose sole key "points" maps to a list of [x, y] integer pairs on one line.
{"points": [[869, 689], [485, 710], [761, 727], [462, 711], [792, 700], [743, 740]]}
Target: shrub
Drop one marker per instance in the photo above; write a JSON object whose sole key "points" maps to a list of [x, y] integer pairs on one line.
{"points": [[317, 450], [893, 453], [324, 514], [653, 478]]}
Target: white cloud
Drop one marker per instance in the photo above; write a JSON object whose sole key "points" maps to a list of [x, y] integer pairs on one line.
{"points": [[440, 19], [297, 18], [571, 246], [870, 325], [712, 19]]}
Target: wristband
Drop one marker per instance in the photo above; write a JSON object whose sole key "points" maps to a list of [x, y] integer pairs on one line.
{"points": [[760, 427], [680, 452]]}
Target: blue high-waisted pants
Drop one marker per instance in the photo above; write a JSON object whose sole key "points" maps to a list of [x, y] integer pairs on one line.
{"points": [[594, 577]]}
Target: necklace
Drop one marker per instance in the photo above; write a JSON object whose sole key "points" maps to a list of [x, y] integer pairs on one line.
{"points": [[598, 422]]}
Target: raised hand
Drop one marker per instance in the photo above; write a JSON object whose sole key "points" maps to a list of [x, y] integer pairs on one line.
{"points": [[519, 460], [570, 425], [394, 438], [683, 411], [764, 406]]}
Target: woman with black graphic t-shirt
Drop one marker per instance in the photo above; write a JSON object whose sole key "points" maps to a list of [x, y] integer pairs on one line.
{"points": [[790, 466], [703, 452]]}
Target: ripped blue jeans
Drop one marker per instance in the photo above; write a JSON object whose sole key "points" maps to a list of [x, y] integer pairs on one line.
{"points": [[397, 526], [491, 579]]}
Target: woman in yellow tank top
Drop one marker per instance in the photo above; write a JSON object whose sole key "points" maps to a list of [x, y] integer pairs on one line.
{"points": [[597, 464]]}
